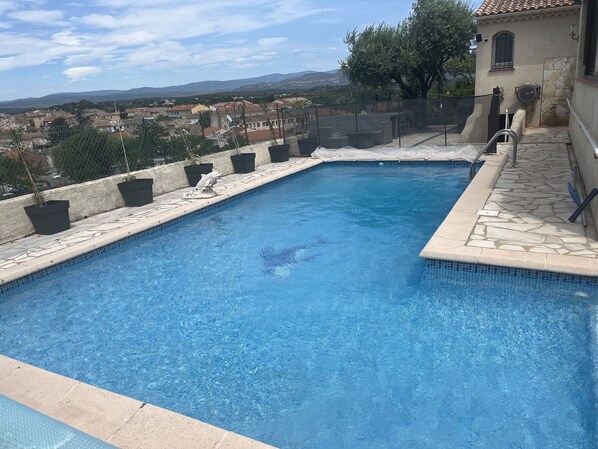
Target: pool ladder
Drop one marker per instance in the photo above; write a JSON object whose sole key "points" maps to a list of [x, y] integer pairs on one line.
{"points": [[502, 132]]}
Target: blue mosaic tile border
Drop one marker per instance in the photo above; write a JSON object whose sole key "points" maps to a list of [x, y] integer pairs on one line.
{"points": [[464, 268], [20, 283], [403, 163]]}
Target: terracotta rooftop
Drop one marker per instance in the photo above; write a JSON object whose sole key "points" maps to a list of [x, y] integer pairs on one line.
{"points": [[182, 107], [492, 7]]}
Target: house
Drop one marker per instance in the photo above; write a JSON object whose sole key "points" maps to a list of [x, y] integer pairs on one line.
{"points": [[180, 111], [583, 122], [234, 109], [528, 42], [198, 109]]}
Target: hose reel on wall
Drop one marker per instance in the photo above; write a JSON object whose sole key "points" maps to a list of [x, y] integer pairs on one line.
{"points": [[527, 94]]}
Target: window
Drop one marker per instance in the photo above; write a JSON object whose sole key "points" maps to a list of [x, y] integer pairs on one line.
{"points": [[591, 43], [502, 50]]}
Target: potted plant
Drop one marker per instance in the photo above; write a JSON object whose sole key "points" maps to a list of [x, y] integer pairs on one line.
{"points": [[135, 192], [278, 153], [306, 144], [47, 217], [242, 162], [196, 167]]}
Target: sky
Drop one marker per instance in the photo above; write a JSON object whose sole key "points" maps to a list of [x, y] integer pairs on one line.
{"points": [[50, 46]]}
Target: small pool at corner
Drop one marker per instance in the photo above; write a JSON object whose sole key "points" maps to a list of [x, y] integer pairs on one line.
{"points": [[301, 315]]}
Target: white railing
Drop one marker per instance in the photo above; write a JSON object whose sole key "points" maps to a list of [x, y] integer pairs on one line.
{"points": [[584, 128], [502, 132]]}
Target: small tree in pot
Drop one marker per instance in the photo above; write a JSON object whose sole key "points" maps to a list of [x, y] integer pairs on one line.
{"points": [[278, 153], [196, 167], [305, 143], [135, 192], [242, 162], [47, 217]]}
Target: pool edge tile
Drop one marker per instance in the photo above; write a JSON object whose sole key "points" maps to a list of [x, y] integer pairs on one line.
{"points": [[99, 413], [91, 410], [34, 387]]}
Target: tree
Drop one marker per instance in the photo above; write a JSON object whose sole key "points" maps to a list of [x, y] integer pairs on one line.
{"points": [[88, 154], [463, 72], [205, 121], [147, 145], [82, 119], [413, 53], [59, 130]]}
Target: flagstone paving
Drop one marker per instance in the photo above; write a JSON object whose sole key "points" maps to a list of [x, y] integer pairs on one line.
{"points": [[529, 207]]}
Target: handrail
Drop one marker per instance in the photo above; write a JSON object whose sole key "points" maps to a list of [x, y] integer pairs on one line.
{"points": [[502, 132], [584, 128]]}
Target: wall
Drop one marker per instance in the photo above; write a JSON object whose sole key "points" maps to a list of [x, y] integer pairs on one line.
{"points": [[537, 37], [476, 126], [585, 102], [557, 86], [101, 195]]}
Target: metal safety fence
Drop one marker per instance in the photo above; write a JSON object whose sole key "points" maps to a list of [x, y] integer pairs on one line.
{"points": [[73, 150], [404, 123]]}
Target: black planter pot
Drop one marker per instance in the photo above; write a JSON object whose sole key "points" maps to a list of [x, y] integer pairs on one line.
{"points": [[52, 218], [194, 172], [137, 192], [244, 162], [279, 153], [307, 145]]}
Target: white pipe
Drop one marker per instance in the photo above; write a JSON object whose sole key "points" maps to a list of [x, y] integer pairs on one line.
{"points": [[584, 128]]}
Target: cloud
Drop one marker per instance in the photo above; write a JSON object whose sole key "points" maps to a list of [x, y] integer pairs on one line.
{"points": [[6, 6], [81, 73], [132, 37], [271, 41], [42, 16], [66, 38]]}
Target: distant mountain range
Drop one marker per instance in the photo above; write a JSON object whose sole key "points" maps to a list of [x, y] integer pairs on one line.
{"points": [[275, 81]]}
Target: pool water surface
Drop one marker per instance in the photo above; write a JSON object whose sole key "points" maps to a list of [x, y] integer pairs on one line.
{"points": [[302, 316]]}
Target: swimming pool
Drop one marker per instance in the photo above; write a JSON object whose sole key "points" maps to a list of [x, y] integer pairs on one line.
{"points": [[302, 316]]}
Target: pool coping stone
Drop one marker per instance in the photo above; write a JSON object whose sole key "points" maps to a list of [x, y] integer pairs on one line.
{"points": [[449, 242]]}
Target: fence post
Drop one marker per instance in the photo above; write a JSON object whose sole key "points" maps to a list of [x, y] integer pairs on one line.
{"points": [[356, 127], [317, 126], [443, 119], [284, 136], [278, 119], [493, 119], [399, 120]]}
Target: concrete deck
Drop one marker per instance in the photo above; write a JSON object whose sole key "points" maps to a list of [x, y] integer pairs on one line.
{"points": [[507, 217], [518, 217]]}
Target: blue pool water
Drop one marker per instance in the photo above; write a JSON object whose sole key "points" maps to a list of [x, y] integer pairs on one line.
{"points": [[302, 316]]}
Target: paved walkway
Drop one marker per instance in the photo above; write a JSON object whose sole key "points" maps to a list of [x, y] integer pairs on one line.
{"points": [[529, 207]]}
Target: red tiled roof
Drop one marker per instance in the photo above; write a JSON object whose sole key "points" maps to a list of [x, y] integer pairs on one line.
{"points": [[260, 135], [182, 107], [492, 7], [210, 130]]}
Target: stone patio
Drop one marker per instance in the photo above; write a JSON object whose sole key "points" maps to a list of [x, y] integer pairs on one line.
{"points": [[529, 207]]}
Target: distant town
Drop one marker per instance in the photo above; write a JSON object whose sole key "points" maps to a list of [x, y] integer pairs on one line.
{"points": [[254, 123]]}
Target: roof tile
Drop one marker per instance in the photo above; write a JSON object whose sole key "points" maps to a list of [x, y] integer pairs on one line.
{"points": [[492, 7]]}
